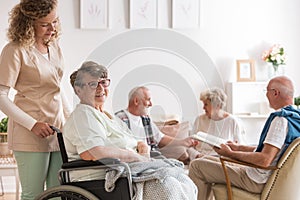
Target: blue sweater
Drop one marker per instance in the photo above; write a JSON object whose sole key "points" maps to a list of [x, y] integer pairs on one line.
{"points": [[293, 117]]}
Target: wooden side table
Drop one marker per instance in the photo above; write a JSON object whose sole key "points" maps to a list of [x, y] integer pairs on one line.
{"points": [[8, 167]]}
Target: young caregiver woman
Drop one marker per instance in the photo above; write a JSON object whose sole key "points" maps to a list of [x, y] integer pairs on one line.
{"points": [[32, 64]]}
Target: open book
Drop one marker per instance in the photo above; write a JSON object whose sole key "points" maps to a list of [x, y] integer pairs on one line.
{"points": [[209, 139]]}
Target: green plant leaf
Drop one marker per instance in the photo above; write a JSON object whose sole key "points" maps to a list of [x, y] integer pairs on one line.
{"points": [[297, 101], [3, 125]]}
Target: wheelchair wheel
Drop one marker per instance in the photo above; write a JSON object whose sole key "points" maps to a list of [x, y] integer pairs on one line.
{"points": [[66, 192]]}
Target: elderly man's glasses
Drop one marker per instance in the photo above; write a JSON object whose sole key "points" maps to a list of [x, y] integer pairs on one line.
{"points": [[94, 84], [267, 90]]}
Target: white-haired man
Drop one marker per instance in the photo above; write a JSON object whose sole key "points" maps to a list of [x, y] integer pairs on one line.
{"points": [[137, 119]]}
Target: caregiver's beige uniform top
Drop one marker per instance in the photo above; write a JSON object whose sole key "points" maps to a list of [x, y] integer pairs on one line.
{"points": [[37, 81]]}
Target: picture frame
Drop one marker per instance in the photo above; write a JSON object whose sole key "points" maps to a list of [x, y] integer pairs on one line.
{"points": [[245, 70], [94, 14], [143, 14], [185, 14]]}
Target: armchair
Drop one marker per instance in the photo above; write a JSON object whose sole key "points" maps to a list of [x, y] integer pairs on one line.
{"points": [[282, 184]]}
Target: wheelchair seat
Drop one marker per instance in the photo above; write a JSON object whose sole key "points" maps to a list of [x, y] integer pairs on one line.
{"points": [[91, 190]]}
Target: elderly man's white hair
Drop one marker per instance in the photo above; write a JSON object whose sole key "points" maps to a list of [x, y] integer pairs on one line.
{"points": [[137, 92]]}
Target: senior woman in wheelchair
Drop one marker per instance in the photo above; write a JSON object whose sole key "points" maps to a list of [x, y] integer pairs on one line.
{"points": [[91, 133]]}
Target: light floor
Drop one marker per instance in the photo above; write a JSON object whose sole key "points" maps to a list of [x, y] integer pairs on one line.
{"points": [[8, 196]]}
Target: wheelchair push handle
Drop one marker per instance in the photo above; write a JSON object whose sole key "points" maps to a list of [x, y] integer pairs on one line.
{"points": [[55, 129]]}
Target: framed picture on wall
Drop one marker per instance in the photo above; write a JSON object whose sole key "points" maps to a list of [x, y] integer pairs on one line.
{"points": [[245, 70], [185, 13], [93, 14], [143, 14]]}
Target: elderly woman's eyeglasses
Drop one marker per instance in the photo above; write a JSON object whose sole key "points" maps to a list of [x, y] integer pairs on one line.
{"points": [[94, 84]]}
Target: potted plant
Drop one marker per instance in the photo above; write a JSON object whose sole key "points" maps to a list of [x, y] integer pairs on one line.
{"points": [[3, 137], [297, 101]]}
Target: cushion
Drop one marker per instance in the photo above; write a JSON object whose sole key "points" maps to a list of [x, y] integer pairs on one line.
{"points": [[167, 119], [220, 193], [178, 131]]}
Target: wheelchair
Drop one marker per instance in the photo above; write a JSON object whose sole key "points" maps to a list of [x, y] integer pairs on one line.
{"points": [[87, 190]]}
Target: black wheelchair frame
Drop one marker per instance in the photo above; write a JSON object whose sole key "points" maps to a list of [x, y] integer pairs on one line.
{"points": [[87, 190]]}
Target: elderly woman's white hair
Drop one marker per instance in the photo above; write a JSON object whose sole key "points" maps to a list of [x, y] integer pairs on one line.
{"points": [[215, 95], [89, 67]]}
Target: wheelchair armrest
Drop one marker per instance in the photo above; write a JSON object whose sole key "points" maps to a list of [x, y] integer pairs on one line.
{"points": [[154, 153], [88, 163]]}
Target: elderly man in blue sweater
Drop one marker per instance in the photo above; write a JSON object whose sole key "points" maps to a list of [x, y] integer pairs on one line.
{"points": [[281, 128]]}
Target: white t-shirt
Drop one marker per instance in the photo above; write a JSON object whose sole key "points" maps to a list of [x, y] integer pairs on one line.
{"points": [[137, 128], [275, 137]]}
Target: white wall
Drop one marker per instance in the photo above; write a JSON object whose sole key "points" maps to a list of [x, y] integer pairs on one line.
{"points": [[229, 30]]}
